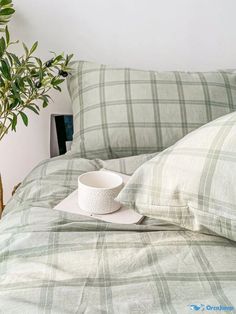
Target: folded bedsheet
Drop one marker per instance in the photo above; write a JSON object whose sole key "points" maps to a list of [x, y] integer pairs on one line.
{"points": [[56, 262]]}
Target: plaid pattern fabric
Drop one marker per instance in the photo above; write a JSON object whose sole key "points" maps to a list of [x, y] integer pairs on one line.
{"points": [[126, 165], [50, 182], [120, 112], [193, 183], [54, 179], [59, 263]]}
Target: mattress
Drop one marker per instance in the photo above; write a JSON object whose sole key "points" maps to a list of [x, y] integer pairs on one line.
{"points": [[58, 262]]}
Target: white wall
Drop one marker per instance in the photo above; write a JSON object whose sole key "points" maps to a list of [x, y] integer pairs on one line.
{"points": [[160, 34]]}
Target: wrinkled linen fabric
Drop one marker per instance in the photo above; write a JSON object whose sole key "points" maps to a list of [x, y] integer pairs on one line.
{"points": [[58, 263]]}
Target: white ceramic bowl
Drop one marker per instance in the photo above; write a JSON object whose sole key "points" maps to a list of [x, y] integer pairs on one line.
{"points": [[97, 191]]}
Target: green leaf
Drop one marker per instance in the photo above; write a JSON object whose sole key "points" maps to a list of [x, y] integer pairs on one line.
{"points": [[25, 48], [5, 69], [37, 107], [43, 97], [32, 108], [29, 81], [7, 11], [5, 2], [57, 88], [68, 59], [7, 35], [34, 47], [45, 104], [58, 58], [39, 62], [14, 104], [47, 96], [14, 89], [24, 118], [9, 58], [2, 46], [40, 74], [2, 84], [14, 122], [56, 81], [20, 83], [45, 100], [15, 58]]}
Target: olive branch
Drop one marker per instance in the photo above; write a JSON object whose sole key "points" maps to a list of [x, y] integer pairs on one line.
{"points": [[25, 80]]}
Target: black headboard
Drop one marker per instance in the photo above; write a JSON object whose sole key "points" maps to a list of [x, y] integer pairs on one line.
{"points": [[61, 133]]}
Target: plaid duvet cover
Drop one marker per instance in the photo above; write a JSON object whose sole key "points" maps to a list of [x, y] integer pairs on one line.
{"points": [[56, 262]]}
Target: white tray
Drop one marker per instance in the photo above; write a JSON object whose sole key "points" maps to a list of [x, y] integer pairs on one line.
{"points": [[122, 216]]}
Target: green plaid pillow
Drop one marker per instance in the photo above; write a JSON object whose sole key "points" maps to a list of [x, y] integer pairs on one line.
{"points": [[121, 112], [192, 183]]}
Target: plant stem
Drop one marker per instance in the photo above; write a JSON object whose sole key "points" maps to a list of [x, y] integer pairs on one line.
{"points": [[3, 127], [2, 133]]}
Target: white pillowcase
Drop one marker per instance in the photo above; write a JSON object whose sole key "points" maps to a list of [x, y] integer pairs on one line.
{"points": [[192, 183]]}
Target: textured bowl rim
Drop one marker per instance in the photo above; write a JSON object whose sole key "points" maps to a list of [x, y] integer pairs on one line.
{"points": [[101, 172]]}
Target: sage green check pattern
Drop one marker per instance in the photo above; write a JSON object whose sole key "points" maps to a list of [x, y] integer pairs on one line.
{"points": [[121, 112], [60, 263], [192, 183], [53, 180]]}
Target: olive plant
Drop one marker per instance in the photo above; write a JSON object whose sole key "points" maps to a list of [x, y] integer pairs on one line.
{"points": [[25, 80]]}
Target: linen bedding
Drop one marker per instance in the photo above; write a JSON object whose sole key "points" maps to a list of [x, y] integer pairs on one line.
{"points": [[56, 262], [120, 112], [192, 183]]}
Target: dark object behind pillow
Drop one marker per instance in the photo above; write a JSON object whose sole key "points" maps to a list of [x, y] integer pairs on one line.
{"points": [[61, 132]]}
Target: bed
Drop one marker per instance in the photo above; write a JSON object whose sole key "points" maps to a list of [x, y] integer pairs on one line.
{"points": [[56, 262]]}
